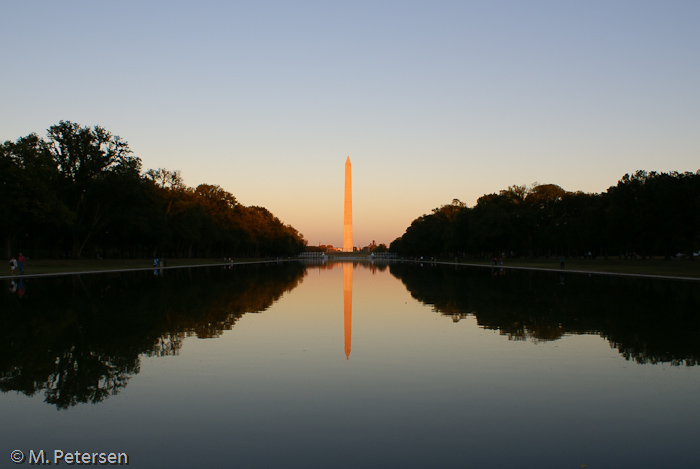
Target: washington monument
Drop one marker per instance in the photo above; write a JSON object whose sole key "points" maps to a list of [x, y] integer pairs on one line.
{"points": [[347, 221]]}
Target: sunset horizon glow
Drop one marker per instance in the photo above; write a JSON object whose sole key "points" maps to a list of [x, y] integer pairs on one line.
{"points": [[435, 102]]}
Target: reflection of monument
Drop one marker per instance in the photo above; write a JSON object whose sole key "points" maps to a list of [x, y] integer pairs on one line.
{"points": [[347, 220], [347, 306]]}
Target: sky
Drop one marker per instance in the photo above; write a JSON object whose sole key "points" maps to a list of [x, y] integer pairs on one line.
{"points": [[431, 100]]}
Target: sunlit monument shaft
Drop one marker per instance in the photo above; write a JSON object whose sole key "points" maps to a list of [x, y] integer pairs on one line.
{"points": [[347, 224]]}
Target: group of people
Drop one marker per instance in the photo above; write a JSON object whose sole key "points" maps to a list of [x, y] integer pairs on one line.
{"points": [[17, 262]]}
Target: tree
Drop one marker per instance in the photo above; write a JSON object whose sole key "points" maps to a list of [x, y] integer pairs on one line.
{"points": [[28, 183], [381, 248], [82, 189], [541, 218], [91, 162], [165, 179]]}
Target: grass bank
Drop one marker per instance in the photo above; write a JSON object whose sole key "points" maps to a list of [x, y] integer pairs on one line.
{"points": [[658, 266], [663, 267], [56, 266]]}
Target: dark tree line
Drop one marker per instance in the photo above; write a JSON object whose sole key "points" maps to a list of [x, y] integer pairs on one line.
{"points": [[645, 214], [80, 193]]}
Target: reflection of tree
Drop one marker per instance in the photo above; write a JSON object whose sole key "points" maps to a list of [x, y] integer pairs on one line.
{"points": [[647, 321], [79, 339], [56, 358], [81, 376], [168, 344]]}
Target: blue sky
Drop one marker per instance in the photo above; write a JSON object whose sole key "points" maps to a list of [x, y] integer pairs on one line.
{"points": [[431, 100]]}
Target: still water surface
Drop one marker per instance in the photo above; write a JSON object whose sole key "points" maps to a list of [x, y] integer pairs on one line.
{"points": [[353, 365]]}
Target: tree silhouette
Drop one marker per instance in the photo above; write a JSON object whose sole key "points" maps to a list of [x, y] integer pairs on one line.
{"points": [[645, 214], [81, 193]]}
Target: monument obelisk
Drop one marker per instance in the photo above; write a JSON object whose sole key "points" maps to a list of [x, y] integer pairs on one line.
{"points": [[347, 221]]}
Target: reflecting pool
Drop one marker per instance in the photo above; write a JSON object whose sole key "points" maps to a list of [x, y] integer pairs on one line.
{"points": [[352, 364]]}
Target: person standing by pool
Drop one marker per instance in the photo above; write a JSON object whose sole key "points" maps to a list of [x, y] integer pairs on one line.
{"points": [[21, 260], [13, 265]]}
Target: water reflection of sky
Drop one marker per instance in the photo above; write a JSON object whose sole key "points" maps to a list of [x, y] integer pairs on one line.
{"points": [[418, 390]]}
